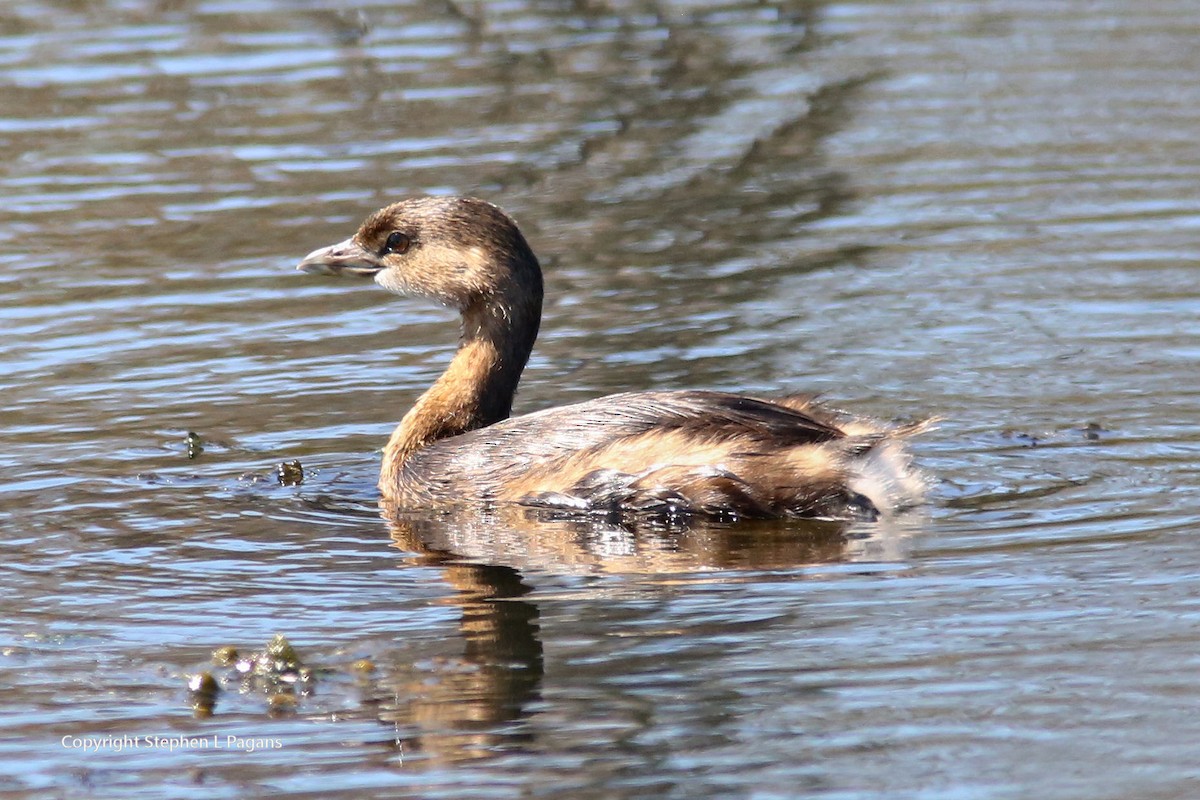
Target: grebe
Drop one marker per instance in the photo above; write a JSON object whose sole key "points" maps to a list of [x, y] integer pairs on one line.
{"points": [[657, 453]]}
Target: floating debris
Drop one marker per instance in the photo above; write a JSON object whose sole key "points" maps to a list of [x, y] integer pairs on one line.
{"points": [[277, 665], [290, 473], [276, 675], [275, 671], [225, 656], [1023, 439], [279, 657], [195, 445], [202, 693], [281, 703]]}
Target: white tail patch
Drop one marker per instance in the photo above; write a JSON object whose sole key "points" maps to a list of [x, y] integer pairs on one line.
{"points": [[885, 476]]}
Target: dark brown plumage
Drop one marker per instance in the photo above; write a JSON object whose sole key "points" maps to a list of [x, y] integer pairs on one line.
{"points": [[667, 453]]}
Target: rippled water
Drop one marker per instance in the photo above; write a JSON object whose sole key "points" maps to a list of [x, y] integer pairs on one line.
{"points": [[981, 211]]}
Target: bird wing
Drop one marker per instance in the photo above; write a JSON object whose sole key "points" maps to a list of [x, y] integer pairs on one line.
{"points": [[481, 462]]}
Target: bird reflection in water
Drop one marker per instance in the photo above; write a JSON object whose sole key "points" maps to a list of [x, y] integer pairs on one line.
{"points": [[473, 706]]}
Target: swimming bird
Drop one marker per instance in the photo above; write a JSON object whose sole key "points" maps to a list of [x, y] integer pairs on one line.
{"points": [[673, 454]]}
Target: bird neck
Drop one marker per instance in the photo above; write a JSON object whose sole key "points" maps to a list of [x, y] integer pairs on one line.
{"points": [[478, 386]]}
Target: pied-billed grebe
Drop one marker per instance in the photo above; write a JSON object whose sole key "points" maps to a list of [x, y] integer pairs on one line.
{"points": [[657, 453]]}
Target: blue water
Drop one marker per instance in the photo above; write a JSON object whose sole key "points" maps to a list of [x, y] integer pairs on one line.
{"points": [[980, 213]]}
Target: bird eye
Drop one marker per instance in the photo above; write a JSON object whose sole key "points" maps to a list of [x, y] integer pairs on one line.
{"points": [[397, 242]]}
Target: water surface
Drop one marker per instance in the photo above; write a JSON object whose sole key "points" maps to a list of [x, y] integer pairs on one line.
{"points": [[983, 212]]}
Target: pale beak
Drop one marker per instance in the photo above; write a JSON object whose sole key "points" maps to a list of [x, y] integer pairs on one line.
{"points": [[344, 257]]}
